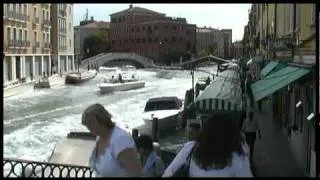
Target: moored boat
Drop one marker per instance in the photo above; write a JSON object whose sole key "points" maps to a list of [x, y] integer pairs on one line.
{"points": [[79, 77], [166, 109]]}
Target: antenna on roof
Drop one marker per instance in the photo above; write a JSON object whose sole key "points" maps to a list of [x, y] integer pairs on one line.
{"points": [[87, 16]]}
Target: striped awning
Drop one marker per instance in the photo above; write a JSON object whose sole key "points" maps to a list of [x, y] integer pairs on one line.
{"points": [[214, 105], [222, 95]]}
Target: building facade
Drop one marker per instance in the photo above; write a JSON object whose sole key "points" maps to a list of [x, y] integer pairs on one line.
{"points": [[83, 31], [285, 33], [151, 34], [31, 39], [227, 42], [26, 41], [207, 37], [237, 50], [62, 38]]}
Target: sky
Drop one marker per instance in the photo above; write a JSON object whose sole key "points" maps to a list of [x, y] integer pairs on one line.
{"points": [[222, 16]]}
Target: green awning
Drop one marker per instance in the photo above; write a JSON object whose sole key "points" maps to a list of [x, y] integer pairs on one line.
{"points": [[276, 81], [272, 66], [222, 95]]}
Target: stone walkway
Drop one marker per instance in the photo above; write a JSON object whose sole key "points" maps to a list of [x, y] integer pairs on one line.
{"points": [[272, 156]]}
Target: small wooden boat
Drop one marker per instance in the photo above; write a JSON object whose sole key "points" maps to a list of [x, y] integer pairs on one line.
{"points": [[79, 77]]}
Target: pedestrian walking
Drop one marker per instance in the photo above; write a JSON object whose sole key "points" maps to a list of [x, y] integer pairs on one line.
{"points": [[220, 151], [251, 128], [114, 154]]}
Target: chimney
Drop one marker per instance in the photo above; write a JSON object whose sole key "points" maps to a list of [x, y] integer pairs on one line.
{"points": [[130, 6]]}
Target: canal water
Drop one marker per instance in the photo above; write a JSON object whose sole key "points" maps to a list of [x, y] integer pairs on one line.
{"points": [[36, 120]]}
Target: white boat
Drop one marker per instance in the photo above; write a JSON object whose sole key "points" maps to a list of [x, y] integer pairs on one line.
{"points": [[166, 109], [128, 68], [107, 69], [110, 85], [79, 77]]}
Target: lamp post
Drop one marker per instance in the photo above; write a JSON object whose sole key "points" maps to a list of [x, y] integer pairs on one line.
{"points": [[88, 51]]}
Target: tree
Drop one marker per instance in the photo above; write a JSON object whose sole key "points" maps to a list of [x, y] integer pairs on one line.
{"points": [[96, 43], [210, 50]]}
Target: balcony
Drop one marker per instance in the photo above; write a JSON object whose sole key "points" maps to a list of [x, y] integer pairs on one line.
{"points": [[62, 13], [63, 48], [46, 22], [63, 31], [35, 20], [47, 45], [17, 16]]}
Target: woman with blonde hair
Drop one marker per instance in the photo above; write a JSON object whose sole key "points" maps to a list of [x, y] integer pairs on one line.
{"points": [[114, 154]]}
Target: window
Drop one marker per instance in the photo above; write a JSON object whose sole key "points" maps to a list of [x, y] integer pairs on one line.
{"points": [[173, 39], [165, 39], [174, 28], [14, 34], [165, 26], [143, 40], [181, 39], [44, 37], [70, 42], [112, 41], [47, 15], [70, 26], [313, 14], [143, 28], [35, 12], [21, 8], [9, 34], [14, 7], [25, 35], [156, 39], [150, 40], [25, 9], [138, 29], [132, 29], [69, 10], [43, 15], [138, 40], [35, 36], [20, 34], [155, 28]]}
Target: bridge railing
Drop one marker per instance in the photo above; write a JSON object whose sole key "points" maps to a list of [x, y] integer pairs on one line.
{"points": [[26, 168]]}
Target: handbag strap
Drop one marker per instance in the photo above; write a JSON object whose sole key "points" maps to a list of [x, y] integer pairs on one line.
{"points": [[188, 160]]}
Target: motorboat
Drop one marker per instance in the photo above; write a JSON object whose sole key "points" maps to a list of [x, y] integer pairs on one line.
{"points": [[110, 85], [107, 69], [166, 109], [79, 77], [128, 68]]}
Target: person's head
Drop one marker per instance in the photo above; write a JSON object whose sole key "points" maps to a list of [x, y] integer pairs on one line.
{"points": [[144, 144], [251, 115], [218, 140], [97, 119], [194, 131]]}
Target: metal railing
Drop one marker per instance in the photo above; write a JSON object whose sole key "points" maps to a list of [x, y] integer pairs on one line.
{"points": [[46, 45], [26, 168], [61, 30], [19, 16], [46, 22], [19, 43]]}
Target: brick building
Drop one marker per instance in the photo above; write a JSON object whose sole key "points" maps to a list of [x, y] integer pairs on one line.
{"points": [[151, 34]]}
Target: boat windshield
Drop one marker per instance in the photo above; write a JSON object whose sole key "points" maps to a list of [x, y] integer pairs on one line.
{"points": [[161, 105]]}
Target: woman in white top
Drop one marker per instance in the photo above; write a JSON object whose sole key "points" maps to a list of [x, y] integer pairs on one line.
{"points": [[114, 154], [250, 128], [218, 152]]}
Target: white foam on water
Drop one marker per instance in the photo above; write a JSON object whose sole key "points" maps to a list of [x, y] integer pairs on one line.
{"points": [[36, 139]]}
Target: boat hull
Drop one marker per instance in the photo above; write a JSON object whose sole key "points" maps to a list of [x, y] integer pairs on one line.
{"points": [[164, 124], [79, 78], [109, 87]]}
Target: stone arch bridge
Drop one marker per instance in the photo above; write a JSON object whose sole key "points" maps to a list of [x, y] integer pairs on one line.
{"points": [[118, 58]]}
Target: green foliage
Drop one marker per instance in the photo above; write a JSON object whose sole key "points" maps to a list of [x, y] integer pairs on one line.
{"points": [[210, 50], [96, 43]]}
